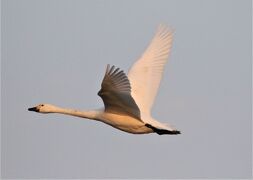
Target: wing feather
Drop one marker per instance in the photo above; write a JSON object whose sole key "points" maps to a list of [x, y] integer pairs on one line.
{"points": [[146, 73], [116, 93]]}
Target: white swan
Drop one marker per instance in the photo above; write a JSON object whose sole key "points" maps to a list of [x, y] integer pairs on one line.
{"points": [[128, 99]]}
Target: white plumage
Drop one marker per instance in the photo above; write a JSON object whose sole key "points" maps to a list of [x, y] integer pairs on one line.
{"points": [[146, 73], [128, 99]]}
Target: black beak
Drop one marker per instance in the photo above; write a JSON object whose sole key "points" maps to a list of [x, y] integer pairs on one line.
{"points": [[33, 109]]}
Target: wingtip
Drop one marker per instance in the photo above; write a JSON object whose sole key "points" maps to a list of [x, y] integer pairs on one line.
{"points": [[107, 68], [165, 27]]}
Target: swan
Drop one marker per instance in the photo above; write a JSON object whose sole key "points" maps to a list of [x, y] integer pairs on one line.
{"points": [[128, 99]]}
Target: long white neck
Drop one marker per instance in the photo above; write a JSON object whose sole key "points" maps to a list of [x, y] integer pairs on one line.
{"points": [[91, 114]]}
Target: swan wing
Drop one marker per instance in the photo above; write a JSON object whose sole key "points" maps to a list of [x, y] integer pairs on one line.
{"points": [[116, 93], [146, 73]]}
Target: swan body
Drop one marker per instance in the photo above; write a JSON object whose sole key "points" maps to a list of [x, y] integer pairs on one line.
{"points": [[128, 99]]}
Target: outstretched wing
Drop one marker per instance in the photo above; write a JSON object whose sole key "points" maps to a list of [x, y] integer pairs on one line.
{"points": [[116, 93], [146, 73]]}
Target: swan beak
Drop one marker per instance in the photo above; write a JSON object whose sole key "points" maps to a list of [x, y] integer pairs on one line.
{"points": [[33, 109]]}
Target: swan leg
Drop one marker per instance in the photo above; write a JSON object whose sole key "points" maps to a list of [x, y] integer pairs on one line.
{"points": [[162, 131]]}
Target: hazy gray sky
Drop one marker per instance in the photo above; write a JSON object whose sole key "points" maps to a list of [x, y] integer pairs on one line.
{"points": [[56, 51]]}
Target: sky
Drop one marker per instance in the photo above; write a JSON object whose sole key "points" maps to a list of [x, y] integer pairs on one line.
{"points": [[56, 51]]}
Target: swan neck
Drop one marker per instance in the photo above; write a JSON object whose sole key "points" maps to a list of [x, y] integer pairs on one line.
{"points": [[90, 114]]}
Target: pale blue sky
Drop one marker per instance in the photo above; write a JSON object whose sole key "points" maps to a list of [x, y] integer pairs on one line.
{"points": [[56, 51]]}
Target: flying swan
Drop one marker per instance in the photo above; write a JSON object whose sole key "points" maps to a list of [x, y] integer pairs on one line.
{"points": [[128, 99]]}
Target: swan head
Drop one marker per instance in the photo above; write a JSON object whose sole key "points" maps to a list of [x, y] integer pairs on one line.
{"points": [[44, 108]]}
